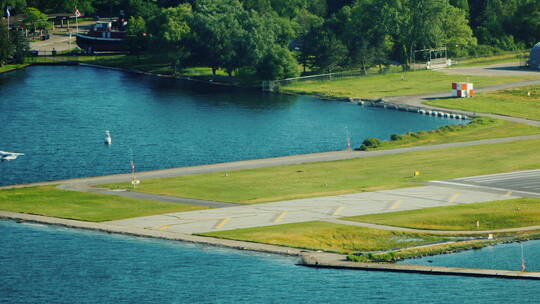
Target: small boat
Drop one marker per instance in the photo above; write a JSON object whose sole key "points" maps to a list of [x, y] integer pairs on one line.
{"points": [[108, 138], [9, 155]]}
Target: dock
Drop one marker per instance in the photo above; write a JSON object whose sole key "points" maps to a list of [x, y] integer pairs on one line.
{"points": [[310, 259], [381, 103]]}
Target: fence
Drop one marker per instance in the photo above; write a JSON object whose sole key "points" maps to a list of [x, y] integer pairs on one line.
{"points": [[520, 55], [275, 85]]}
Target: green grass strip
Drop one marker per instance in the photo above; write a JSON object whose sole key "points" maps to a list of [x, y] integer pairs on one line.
{"points": [[348, 176], [50, 201], [327, 237], [521, 212]]}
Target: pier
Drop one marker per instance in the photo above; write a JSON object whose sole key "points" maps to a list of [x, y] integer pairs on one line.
{"points": [[310, 259]]}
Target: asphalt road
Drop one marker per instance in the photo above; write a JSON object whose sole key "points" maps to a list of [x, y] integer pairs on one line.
{"points": [[525, 183]]}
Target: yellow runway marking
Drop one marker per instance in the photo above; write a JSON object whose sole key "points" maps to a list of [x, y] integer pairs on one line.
{"points": [[454, 197], [165, 227], [509, 193], [280, 217], [396, 204], [338, 210], [222, 223]]}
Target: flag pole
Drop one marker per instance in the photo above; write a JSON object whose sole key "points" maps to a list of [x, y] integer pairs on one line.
{"points": [[8, 14]]}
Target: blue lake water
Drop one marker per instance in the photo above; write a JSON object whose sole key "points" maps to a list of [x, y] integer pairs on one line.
{"points": [[46, 264], [57, 116]]}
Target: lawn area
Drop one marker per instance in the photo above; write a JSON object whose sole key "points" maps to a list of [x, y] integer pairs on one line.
{"points": [[392, 84], [521, 212], [479, 128], [348, 176], [327, 237], [49, 201], [512, 102], [9, 67]]}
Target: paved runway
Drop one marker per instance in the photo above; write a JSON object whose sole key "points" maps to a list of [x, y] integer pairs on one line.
{"points": [[525, 183], [312, 209]]}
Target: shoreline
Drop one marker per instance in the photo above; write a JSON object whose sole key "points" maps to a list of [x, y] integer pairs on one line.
{"points": [[307, 258], [189, 238]]}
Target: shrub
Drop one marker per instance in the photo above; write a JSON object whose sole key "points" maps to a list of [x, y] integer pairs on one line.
{"points": [[370, 143], [396, 137]]}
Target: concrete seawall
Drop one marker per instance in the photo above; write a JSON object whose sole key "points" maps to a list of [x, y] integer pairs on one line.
{"points": [[320, 261]]}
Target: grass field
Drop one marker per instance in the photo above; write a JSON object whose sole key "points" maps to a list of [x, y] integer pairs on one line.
{"points": [[327, 237], [348, 176], [511, 102], [479, 128], [49, 201], [513, 213], [392, 84]]}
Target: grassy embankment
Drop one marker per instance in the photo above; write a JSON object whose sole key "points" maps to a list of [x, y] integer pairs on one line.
{"points": [[348, 239], [521, 102], [348, 176], [393, 84], [49, 201], [479, 128]]}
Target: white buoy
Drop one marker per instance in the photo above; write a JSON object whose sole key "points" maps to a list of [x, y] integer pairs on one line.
{"points": [[108, 138]]}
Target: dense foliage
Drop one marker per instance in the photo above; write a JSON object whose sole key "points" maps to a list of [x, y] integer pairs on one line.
{"points": [[272, 38]]}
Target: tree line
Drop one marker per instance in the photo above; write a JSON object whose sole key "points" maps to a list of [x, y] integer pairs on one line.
{"points": [[282, 38]]}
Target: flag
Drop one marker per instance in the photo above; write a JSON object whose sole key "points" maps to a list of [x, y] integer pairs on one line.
{"points": [[77, 13], [8, 14]]}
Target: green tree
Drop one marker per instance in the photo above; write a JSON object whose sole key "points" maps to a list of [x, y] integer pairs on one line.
{"points": [[278, 63], [136, 35], [17, 6], [217, 33], [459, 37], [6, 47], [173, 30], [35, 20], [321, 50], [21, 47]]}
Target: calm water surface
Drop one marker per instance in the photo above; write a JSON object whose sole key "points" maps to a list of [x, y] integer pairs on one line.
{"points": [[44, 264], [57, 116]]}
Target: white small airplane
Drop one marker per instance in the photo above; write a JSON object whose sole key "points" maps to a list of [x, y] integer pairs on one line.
{"points": [[9, 155]]}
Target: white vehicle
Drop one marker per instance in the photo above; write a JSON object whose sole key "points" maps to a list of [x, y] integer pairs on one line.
{"points": [[9, 155]]}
